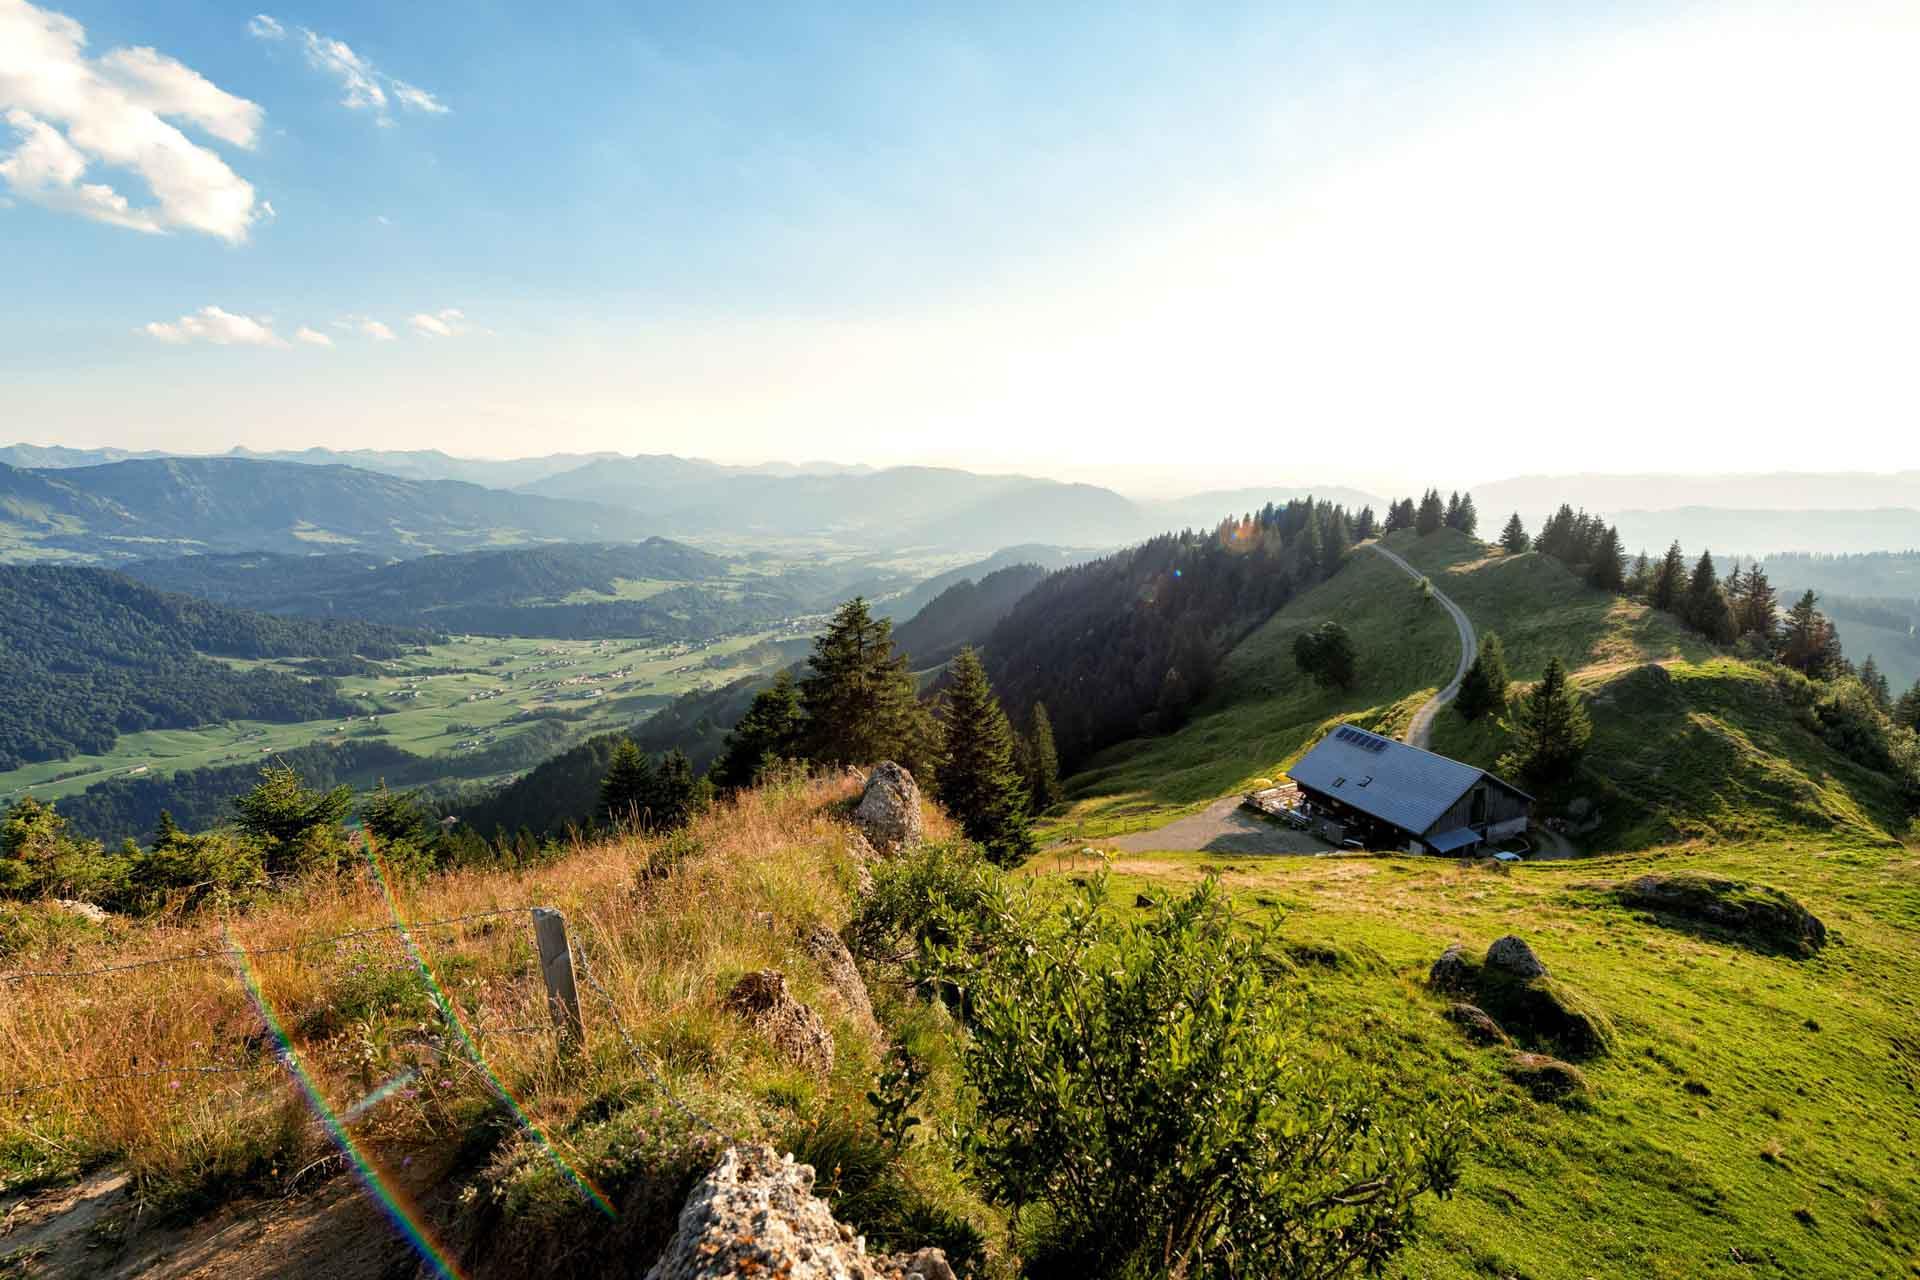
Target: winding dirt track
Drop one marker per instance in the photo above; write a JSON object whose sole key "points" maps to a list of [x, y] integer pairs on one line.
{"points": [[1420, 728]]}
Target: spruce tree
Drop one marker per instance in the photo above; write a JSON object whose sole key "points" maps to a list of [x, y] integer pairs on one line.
{"points": [[978, 782], [771, 730], [1513, 538], [1433, 513], [1363, 525], [1551, 728], [1484, 687], [1906, 712], [1608, 569], [1465, 518], [627, 789], [1640, 577], [1702, 589], [1811, 645], [671, 803], [1669, 580], [1451, 519], [1757, 611], [860, 702], [1875, 681], [1043, 761]]}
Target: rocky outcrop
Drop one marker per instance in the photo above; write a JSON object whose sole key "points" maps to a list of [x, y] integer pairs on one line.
{"points": [[1756, 915], [795, 1029], [1547, 1079], [756, 1215], [1452, 971], [889, 810], [82, 910], [843, 977], [1511, 955], [1475, 1023]]}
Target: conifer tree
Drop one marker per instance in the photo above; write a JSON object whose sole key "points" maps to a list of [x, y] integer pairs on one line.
{"points": [[1464, 517], [1484, 688], [1757, 611], [771, 730], [1513, 538], [860, 702], [393, 816], [1608, 570], [627, 789], [672, 800], [1640, 577], [283, 815], [1906, 712], [1043, 761], [1451, 519], [978, 782], [1327, 654], [1433, 513], [1875, 681], [1810, 644], [1551, 728], [1363, 525], [1399, 516], [1669, 580]]}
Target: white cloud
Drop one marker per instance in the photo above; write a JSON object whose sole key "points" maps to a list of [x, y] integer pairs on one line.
{"points": [[114, 111], [262, 26], [363, 86], [450, 322], [221, 328], [374, 329], [312, 337]]}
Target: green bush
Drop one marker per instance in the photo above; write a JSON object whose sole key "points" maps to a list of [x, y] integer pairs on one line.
{"points": [[1145, 1104], [41, 858]]}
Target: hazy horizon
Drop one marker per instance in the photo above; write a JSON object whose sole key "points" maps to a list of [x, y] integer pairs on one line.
{"points": [[1457, 244]]}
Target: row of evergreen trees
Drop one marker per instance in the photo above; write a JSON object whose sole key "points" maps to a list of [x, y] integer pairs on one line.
{"points": [[1430, 514], [858, 704]]}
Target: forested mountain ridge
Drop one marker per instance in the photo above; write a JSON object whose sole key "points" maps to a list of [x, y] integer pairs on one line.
{"points": [[351, 583], [125, 510], [86, 654], [963, 614]]}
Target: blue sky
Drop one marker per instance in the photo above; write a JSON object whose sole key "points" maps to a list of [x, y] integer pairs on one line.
{"points": [[1014, 235]]}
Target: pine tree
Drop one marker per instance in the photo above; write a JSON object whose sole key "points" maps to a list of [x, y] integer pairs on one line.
{"points": [[771, 730], [1810, 644], [1640, 578], [1465, 518], [1451, 519], [1433, 513], [1608, 569], [627, 791], [978, 782], [1906, 712], [1513, 538], [1043, 761], [1551, 728], [1875, 681], [1363, 525], [671, 801], [1702, 587], [1669, 580], [1484, 687], [283, 815], [860, 702], [1757, 611], [1399, 516]]}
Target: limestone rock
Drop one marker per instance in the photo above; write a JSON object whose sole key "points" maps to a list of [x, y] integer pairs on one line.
{"points": [[756, 1215], [1511, 955], [1452, 971], [84, 910], [795, 1029], [889, 810], [836, 962]]}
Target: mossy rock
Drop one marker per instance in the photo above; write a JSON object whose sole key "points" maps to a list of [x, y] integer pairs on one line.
{"points": [[1548, 1079], [1333, 957], [1546, 1010], [1756, 916]]}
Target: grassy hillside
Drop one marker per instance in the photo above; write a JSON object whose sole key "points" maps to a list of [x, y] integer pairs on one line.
{"points": [[1756, 1112], [1756, 1116], [1264, 712]]}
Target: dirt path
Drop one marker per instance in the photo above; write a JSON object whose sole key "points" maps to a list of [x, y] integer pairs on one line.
{"points": [[1222, 827], [1420, 728]]}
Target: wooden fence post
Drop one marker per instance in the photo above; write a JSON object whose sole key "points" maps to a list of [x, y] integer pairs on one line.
{"points": [[556, 966]]}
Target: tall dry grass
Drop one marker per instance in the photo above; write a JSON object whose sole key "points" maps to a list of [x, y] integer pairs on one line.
{"points": [[666, 922]]}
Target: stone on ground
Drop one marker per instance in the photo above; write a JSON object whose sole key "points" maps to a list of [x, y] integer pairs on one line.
{"points": [[1511, 955], [889, 810], [794, 1028]]}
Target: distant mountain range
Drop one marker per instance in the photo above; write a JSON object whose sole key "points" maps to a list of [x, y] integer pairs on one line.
{"points": [[167, 506]]}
